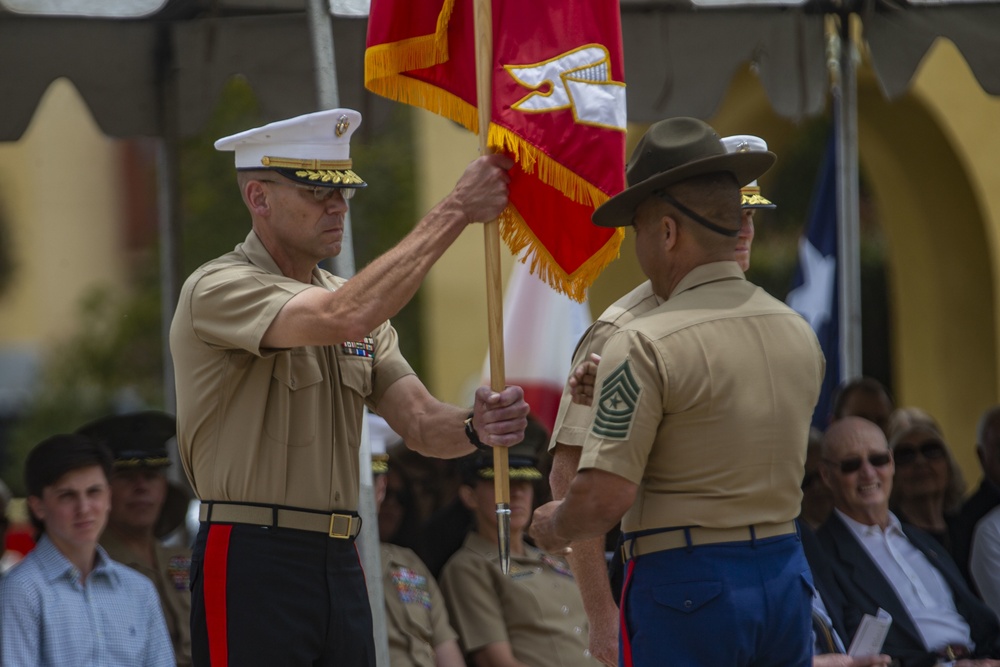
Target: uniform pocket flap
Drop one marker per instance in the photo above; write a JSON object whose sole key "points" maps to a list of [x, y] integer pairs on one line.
{"points": [[687, 596]]}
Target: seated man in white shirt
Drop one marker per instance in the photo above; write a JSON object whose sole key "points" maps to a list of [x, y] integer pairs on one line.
{"points": [[879, 563]]}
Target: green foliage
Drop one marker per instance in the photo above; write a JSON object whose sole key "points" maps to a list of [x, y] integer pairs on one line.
{"points": [[113, 361], [385, 211]]}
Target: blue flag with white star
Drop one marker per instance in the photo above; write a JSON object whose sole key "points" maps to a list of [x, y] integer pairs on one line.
{"points": [[814, 293]]}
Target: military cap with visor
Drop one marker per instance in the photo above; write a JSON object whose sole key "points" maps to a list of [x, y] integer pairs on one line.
{"points": [[313, 149], [138, 440]]}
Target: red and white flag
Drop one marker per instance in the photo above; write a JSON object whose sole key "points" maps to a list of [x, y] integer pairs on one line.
{"points": [[557, 108], [540, 332]]}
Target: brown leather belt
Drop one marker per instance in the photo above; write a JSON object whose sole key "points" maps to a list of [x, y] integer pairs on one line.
{"points": [[675, 538], [338, 525]]}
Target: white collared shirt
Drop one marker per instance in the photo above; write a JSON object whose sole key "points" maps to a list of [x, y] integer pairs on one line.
{"points": [[918, 584]]}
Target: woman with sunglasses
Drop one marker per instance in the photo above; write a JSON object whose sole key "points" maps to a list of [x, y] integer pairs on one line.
{"points": [[928, 485]]}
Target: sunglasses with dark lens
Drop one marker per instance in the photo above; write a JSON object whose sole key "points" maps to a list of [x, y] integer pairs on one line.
{"points": [[931, 450], [847, 466], [319, 193]]}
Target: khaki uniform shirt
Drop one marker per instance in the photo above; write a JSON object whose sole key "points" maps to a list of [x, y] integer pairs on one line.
{"points": [[573, 419], [172, 579], [536, 608], [705, 404], [264, 425], [416, 618]]}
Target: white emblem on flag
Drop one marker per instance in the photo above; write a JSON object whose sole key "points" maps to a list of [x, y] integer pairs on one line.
{"points": [[579, 80], [813, 299]]}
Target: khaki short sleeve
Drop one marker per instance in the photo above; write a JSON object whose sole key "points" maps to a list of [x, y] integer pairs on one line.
{"points": [[233, 307], [628, 407], [473, 605]]}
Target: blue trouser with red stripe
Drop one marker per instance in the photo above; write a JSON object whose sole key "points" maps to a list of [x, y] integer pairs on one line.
{"points": [[277, 597], [739, 604]]}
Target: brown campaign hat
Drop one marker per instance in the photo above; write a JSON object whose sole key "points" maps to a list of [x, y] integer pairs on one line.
{"points": [[671, 151]]}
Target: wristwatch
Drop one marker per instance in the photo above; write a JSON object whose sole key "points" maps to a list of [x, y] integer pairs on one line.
{"points": [[470, 433]]}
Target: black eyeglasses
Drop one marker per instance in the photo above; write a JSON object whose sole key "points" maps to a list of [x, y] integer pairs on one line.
{"points": [[847, 466], [931, 450], [319, 193]]}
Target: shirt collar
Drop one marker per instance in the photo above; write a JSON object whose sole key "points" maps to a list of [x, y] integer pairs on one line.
{"points": [[54, 565], [862, 530], [258, 255], [708, 273]]}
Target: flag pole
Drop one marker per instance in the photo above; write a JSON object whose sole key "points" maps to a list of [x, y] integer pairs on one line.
{"points": [[483, 17]]}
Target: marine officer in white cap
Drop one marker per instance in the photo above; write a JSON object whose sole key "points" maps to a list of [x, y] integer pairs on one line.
{"points": [[274, 361], [750, 197]]}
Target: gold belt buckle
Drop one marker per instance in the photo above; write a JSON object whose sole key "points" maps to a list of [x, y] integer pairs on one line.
{"points": [[340, 519]]}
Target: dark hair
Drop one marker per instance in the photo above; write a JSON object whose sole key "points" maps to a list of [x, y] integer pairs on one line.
{"points": [[55, 456], [866, 384]]}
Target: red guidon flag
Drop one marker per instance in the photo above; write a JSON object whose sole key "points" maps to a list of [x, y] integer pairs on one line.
{"points": [[558, 108]]}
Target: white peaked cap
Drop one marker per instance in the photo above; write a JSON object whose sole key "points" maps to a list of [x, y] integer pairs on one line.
{"points": [[748, 143], [314, 148]]}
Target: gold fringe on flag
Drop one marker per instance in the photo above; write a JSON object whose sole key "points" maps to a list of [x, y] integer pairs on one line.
{"points": [[518, 235], [385, 65]]}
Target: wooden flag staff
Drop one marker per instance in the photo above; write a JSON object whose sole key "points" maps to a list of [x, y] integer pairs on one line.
{"points": [[483, 17]]}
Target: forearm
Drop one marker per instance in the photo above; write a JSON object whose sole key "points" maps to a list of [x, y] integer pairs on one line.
{"points": [[448, 654], [594, 504], [380, 290], [437, 429]]}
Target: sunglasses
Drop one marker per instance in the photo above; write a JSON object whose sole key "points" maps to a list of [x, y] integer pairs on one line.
{"points": [[851, 465], [319, 193], [931, 450]]}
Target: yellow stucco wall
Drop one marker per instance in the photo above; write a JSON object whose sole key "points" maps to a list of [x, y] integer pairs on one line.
{"points": [[60, 198]]}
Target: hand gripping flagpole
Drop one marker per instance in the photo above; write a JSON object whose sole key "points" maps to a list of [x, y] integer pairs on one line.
{"points": [[483, 17]]}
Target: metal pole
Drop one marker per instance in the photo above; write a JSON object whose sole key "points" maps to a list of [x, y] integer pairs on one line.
{"points": [[343, 266], [848, 207]]}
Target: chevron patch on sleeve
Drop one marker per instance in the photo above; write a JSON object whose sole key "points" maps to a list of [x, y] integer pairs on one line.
{"points": [[616, 406]]}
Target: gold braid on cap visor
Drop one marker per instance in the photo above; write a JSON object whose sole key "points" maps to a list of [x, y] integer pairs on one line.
{"points": [[335, 172]]}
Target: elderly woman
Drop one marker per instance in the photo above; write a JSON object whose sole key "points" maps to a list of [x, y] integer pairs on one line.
{"points": [[928, 484]]}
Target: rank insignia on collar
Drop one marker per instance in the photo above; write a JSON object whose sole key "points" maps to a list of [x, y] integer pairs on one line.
{"points": [[363, 348]]}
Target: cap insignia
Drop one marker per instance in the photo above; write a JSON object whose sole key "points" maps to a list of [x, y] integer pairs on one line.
{"points": [[342, 124]]}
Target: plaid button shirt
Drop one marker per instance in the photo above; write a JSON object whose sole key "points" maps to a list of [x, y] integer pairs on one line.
{"points": [[48, 617]]}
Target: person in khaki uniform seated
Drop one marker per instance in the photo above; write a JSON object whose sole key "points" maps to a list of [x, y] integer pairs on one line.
{"points": [[535, 615], [697, 437], [573, 420], [146, 506], [275, 361], [416, 618]]}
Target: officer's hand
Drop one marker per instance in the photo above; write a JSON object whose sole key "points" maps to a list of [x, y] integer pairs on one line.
{"points": [[581, 382], [481, 193], [500, 418], [542, 529]]}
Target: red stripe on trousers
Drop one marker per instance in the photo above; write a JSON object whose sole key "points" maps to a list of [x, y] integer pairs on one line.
{"points": [[216, 559], [622, 628]]}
